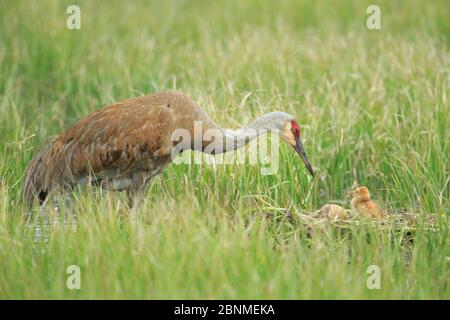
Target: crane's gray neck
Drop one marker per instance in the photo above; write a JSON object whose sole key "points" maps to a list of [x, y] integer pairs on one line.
{"points": [[226, 140]]}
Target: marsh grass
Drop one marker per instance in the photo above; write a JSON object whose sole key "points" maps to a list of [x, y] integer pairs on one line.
{"points": [[373, 105]]}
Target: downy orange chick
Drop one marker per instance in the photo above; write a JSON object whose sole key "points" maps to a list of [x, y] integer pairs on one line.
{"points": [[363, 206]]}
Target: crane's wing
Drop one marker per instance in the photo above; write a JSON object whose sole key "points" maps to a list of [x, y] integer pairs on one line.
{"points": [[130, 135]]}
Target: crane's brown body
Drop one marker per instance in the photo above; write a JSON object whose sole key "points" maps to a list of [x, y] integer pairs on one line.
{"points": [[121, 146]]}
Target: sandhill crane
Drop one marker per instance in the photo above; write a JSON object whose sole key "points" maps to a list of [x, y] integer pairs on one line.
{"points": [[124, 145], [364, 206]]}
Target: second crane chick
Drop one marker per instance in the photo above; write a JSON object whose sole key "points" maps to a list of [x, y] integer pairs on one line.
{"points": [[363, 206]]}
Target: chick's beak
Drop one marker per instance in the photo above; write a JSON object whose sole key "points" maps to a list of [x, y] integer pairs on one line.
{"points": [[301, 152]]}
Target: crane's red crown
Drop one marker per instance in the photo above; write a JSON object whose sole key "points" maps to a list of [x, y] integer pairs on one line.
{"points": [[295, 128]]}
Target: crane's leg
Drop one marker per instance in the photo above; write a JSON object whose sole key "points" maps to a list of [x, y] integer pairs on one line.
{"points": [[67, 195], [135, 193], [134, 197]]}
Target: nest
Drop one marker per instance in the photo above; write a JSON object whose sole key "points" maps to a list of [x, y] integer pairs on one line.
{"points": [[401, 220]]}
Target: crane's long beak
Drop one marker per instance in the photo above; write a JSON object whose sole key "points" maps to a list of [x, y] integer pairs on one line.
{"points": [[301, 151]]}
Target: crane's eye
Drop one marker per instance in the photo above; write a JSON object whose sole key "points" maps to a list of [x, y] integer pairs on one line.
{"points": [[294, 131]]}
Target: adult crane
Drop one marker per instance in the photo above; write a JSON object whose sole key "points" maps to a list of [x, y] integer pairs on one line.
{"points": [[124, 145]]}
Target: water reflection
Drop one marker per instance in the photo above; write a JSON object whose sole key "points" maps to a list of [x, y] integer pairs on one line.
{"points": [[47, 220]]}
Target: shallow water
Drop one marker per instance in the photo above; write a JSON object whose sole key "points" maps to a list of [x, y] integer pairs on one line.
{"points": [[46, 220]]}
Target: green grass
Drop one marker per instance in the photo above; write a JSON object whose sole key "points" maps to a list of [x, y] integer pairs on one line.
{"points": [[373, 105]]}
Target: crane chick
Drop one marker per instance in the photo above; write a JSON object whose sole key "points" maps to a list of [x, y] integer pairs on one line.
{"points": [[333, 212], [363, 206]]}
